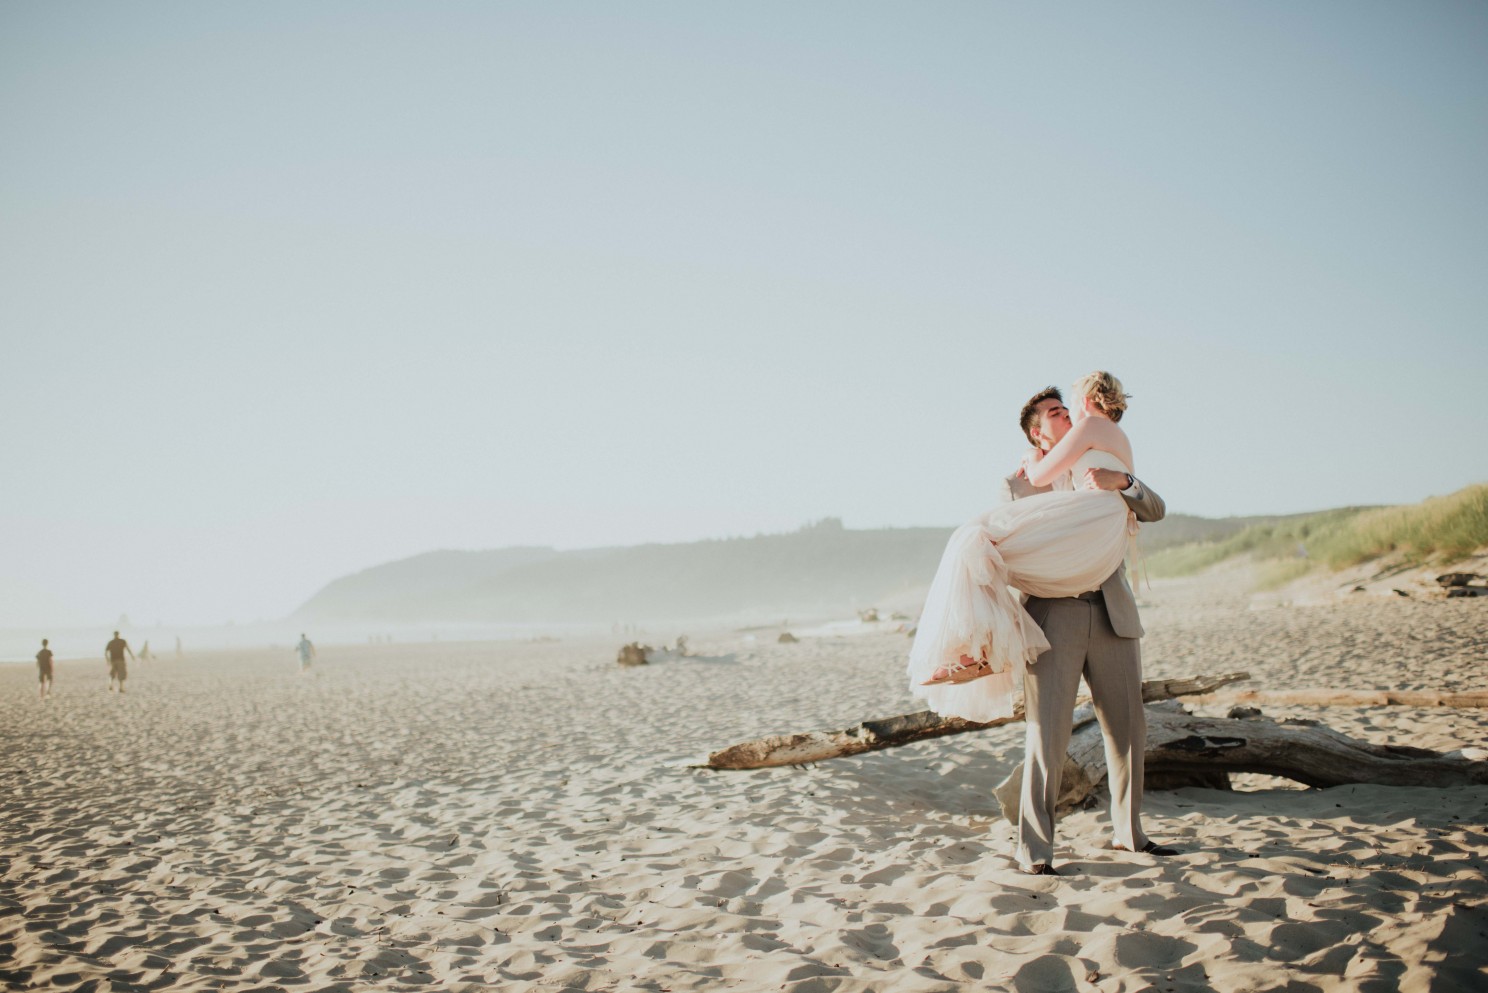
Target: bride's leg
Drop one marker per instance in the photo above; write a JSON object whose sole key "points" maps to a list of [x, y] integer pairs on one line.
{"points": [[971, 669], [964, 671], [969, 569]]}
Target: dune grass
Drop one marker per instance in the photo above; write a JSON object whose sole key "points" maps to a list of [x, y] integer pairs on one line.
{"points": [[1435, 530], [1438, 529]]}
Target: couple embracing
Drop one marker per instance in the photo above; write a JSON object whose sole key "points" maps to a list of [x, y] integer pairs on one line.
{"points": [[1060, 540]]}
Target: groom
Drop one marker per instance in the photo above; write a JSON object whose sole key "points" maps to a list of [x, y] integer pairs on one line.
{"points": [[1096, 635]]}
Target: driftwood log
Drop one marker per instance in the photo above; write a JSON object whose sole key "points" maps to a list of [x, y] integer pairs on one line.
{"points": [[890, 732], [1184, 750], [1349, 698], [633, 654]]}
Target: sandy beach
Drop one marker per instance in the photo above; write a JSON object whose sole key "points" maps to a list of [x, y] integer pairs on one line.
{"points": [[522, 817]]}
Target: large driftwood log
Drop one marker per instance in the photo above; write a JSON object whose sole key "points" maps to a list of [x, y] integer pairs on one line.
{"points": [[1349, 698], [889, 732], [1186, 750]]}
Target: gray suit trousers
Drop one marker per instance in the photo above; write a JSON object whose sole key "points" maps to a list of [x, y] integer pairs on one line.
{"points": [[1082, 643]]}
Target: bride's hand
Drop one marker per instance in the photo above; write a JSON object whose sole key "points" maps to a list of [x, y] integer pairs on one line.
{"points": [[1030, 458]]}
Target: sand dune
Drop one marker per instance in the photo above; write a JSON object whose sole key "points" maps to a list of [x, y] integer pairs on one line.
{"points": [[520, 817]]}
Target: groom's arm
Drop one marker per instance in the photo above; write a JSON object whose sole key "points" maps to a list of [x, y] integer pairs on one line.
{"points": [[1143, 501], [1016, 487]]}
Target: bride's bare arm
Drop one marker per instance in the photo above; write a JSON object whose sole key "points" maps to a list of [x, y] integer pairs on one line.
{"points": [[1061, 457], [1098, 433]]}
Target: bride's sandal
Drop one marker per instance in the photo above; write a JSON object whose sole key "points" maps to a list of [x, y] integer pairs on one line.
{"points": [[968, 673], [965, 670]]}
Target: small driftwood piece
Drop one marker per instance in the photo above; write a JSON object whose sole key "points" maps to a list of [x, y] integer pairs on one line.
{"points": [[889, 732], [1349, 698], [633, 654], [1184, 750]]}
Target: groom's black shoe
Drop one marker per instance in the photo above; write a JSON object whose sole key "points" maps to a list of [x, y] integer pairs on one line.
{"points": [[1153, 848], [1039, 869]]}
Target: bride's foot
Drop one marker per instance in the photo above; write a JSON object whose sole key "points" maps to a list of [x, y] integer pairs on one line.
{"points": [[964, 671]]}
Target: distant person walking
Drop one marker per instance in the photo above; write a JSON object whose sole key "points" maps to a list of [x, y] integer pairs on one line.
{"points": [[307, 653], [144, 652], [118, 670], [44, 669]]}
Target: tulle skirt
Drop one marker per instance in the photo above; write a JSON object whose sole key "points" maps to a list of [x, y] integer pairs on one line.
{"points": [[1048, 545]]}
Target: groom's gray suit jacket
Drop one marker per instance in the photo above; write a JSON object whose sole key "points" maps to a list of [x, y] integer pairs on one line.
{"points": [[1121, 605]]}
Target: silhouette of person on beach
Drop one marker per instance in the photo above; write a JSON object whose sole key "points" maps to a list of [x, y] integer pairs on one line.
{"points": [[307, 653], [44, 669], [118, 670], [144, 652]]}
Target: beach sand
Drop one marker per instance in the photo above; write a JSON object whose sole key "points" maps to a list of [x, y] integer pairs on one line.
{"points": [[522, 817]]}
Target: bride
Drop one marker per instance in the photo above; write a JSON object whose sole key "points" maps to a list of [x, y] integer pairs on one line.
{"points": [[974, 637]]}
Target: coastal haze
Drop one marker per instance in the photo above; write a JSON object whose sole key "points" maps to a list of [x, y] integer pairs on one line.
{"points": [[819, 572], [292, 292]]}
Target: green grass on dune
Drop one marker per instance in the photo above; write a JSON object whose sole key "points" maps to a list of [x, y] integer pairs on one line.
{"points": [[1438, 529], [1435, 530]]}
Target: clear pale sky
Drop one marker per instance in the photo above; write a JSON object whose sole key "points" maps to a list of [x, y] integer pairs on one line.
{"points": [[288, 290]]}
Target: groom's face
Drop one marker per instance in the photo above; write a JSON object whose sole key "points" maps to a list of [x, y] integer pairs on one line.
{"points": [[1052, 424]]}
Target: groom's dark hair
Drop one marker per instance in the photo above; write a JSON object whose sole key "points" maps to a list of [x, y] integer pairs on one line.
{"points": [[1031, 412]]}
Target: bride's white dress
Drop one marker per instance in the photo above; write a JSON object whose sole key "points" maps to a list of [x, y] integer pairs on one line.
{"points": [[1055, 544]]}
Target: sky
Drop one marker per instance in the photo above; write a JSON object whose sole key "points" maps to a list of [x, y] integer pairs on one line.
{"points": [[290, 290]]}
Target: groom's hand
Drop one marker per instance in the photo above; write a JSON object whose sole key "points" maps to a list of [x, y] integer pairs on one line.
{"points": [[1105, 479], [1030, 458]]}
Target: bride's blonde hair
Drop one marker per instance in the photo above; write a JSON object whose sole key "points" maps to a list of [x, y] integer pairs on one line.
{"points": [[1105, 392]]}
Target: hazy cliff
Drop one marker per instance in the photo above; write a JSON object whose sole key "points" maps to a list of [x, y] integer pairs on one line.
{"points": [[824, 567]]}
